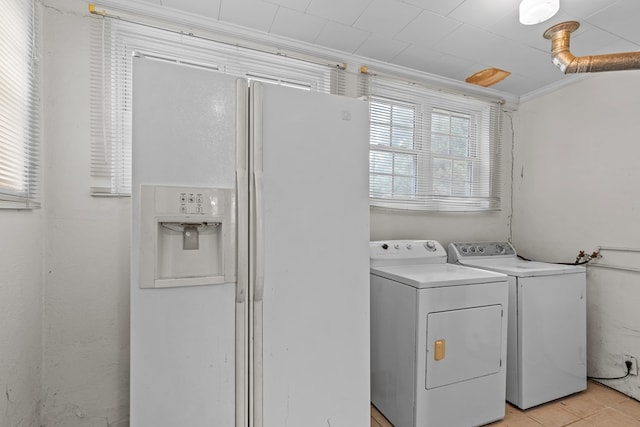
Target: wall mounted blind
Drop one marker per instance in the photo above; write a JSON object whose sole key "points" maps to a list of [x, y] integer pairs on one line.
{"points": [[432, 150], [113, 44], [19, 109]]}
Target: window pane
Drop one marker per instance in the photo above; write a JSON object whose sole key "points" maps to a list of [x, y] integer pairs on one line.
{"points": [[460, 126], [380, 112], [405, 164], [402, 138], [380, 162], [380, 134], [403, 116], [440, 143], [442, 169], [461, 183], [440, 123], [460, 146], [404, 186], [380, 185]]}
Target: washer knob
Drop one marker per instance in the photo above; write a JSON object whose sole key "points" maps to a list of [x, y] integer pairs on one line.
{"points": [[408, 245], [397, 246], [430, 245], [385, 246]]}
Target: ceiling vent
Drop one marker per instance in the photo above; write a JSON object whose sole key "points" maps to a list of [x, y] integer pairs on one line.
{"points": [[488, 77], [562, 57]]}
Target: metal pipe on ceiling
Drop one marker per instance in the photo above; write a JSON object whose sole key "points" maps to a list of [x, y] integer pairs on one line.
{"points": [[562, 57]]}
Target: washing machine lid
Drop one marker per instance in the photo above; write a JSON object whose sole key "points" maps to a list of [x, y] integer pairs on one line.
{"points": [[513, 266], [424, 276]]}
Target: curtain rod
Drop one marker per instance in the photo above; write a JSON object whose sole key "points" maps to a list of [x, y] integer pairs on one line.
{"points": [[218, 38]]}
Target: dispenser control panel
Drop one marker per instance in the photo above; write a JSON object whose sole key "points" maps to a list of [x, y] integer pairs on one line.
{"points": [[185, 201], [187, 236], [192, 203]]}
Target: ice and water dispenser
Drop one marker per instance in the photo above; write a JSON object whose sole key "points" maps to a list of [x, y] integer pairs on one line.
{"points": [[187, 236]]}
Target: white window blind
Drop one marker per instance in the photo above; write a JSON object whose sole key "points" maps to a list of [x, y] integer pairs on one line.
{"points": [[19, 111], [432, 150], [113, 44]]}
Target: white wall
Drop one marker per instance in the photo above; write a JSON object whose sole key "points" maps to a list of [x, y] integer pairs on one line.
{"points": [[443, 227], [21, 284], [576, 187], [86, 304]]}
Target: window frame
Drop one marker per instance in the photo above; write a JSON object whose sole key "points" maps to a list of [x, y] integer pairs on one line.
{"points": [[484, 152]]}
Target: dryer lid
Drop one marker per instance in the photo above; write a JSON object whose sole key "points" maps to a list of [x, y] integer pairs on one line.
{"points": [[424, 276]]}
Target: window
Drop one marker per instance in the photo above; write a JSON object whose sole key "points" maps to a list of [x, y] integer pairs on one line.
{"points": [[19, 114], [113, 44], [432, 150]]}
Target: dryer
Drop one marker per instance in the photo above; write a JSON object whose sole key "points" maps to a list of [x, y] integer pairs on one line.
{"points": [[438, 337], [547, 343]]}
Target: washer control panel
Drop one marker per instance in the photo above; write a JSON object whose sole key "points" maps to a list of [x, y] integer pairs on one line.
{"points": [[409, 251], [482, 249]]}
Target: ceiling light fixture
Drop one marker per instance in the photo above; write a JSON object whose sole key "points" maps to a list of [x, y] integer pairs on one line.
{"points": [[537, 11]]}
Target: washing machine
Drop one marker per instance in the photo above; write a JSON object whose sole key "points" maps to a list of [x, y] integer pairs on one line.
{"points": [[547, 342], [438, 337]]}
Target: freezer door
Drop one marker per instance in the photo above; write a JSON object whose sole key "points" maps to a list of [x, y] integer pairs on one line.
{"points": [[311, 265], [183, 340]]}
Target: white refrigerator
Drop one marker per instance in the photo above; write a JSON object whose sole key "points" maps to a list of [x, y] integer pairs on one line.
{"points": [[250, 264]]}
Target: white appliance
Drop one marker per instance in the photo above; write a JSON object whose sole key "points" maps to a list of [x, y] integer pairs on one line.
{"points": [[250, 290], [546, 357], [438, 337]]}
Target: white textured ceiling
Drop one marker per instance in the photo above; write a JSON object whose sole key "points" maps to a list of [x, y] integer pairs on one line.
{"points": [[449, 38]]}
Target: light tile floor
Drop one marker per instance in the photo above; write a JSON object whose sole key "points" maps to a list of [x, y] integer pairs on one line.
{"points": [[598, 406]]}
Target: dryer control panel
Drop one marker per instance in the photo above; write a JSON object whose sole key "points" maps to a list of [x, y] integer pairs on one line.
{"points": [[481, 249], [400, 252]]}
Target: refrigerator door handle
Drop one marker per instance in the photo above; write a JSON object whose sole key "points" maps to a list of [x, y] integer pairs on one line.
{"points": [[259, 236], [243, 262], [258, 291]]}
